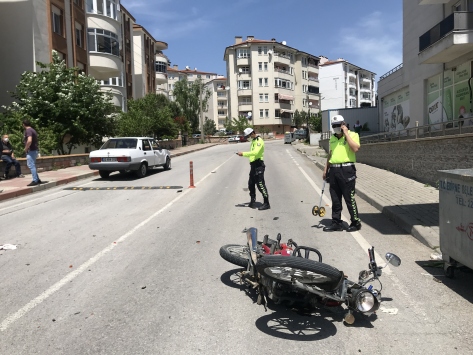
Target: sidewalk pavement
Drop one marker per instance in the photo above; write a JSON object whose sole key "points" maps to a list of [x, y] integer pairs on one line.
{"points": [[17, 186], [412, 205]]}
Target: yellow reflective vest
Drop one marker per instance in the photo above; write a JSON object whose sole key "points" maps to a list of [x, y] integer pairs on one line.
{"points": [[256, 151]]}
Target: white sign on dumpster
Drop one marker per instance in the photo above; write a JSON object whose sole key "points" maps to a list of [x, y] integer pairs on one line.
{"points": [[456, 216]]}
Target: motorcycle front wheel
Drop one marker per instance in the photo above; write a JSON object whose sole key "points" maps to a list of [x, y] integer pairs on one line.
{"points": [[235, 254], [287, 269]]}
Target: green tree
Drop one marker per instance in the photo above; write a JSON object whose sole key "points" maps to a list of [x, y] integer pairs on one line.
{"points": [[189, 95], [263, 130], [315, 122], [299, 119], [229, 125], [240, 124], [151, 115], [66, 106]]}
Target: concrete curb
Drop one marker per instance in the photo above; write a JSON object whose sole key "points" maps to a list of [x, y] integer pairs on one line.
{"points": [[425, 235]]}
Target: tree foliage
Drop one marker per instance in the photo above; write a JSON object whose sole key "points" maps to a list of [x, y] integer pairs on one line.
{"points": [[151, 116], [209, 127], [188, 96], [237, 125], [299, 118], [66, 107]]}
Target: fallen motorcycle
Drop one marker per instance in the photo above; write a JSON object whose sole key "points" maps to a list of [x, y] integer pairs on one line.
{"points": [[279, 272]]}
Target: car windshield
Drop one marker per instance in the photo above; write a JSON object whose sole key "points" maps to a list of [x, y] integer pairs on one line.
{"points": [[120, 143]]}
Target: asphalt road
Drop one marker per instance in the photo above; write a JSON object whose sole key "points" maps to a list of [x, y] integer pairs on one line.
{"points": [[138, 271]]}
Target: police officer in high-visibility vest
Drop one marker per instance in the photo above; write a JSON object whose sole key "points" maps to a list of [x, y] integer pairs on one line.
{"points": [[342, 174], [256, 156]]}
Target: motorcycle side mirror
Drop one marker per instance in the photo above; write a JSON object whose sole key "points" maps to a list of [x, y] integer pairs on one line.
{"points": [[393, 259]]}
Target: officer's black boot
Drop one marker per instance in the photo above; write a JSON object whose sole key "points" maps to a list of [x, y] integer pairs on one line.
{"points": [[265, 205], [252, 202]]}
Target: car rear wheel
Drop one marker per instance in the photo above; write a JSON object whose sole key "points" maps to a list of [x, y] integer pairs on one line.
{"points": [[141, 172], [104, 174]]}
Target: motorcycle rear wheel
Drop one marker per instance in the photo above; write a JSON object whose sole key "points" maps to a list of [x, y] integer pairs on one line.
{"points": [[286, 269], [235, 254]]}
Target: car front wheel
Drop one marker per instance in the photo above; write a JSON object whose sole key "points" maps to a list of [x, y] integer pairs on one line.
{"points": [[167, 166], [141, 172]]}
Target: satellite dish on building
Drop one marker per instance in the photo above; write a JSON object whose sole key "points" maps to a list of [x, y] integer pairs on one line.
{"points": [[283, 43], [187, 67], [248, 115], [227, 88], [240, 70]]}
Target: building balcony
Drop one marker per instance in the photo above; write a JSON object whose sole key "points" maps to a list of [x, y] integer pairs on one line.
{"points": [[243, 61], [161, 78], [448, 40], [281, 58], [432, 2], [104, 65], [245, 106], [282, 105], [244, 92], [312, 68], [223, 97], [118, 93], [312, 78], [103, 22]]}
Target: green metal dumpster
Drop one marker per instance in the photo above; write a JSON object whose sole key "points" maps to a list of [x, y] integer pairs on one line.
{"points": [[456, 218]]}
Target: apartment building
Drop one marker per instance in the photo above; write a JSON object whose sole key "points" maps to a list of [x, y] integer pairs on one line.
{"points": [[209, 80], [345, 85], [98, 36], [433, 84], [162, 63], [271, 81], [218, 101]]}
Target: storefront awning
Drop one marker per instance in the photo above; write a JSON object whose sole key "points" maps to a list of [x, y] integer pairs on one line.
{"points": [[285, 97], [290, 111]]}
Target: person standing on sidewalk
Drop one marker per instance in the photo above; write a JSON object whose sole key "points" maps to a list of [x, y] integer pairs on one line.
{"points": [[341, 161], [257, 167], [31, 149], [8, 157]]}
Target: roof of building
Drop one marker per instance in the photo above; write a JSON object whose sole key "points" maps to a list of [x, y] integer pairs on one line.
{"points": [[265, 41], [341, 60], [127, 12], [188, 71]]}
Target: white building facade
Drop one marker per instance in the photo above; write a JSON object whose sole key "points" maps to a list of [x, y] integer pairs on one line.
{"points": [[345, 85], [433, 84]]}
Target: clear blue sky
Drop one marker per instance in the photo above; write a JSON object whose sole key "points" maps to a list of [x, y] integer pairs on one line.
{"points": [[367, 33]]}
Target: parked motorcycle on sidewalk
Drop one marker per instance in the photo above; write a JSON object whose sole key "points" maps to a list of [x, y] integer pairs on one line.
{"points": [[284, 273]]}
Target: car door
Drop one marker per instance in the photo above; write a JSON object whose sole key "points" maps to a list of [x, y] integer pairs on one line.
{"points": [[148, 153], [159, 153]]}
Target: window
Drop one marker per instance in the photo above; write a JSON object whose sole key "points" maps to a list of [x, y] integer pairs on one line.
{"points": [[260, 66], [262, 50], [161, 67], [56, 17], [79, 35], [81, 67], [244, 84], [221, 103], [243, 53], [263, 81], [170, 86], [285, 84], [244, 70], [103, 41], [261, 97], [265, 66], [261, 113], [352, 103], [102, 7], [304, 102], [304, 74], [457, 6], [266, 113], [221, 112], [145, 145]]}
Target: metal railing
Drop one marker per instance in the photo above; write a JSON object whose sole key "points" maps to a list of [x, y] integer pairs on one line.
{"points": [[440, 129], [391, 71]]}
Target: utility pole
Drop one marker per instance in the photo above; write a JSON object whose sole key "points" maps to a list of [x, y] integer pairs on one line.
{"points": [[202, 137]]}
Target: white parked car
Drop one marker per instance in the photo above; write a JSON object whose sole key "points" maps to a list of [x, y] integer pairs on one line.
{"points": [[126, 154], [234, 139]]}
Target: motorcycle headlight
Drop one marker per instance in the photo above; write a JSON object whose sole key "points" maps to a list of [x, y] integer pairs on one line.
{"points": [[365, 301]]}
